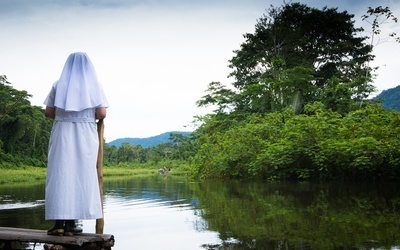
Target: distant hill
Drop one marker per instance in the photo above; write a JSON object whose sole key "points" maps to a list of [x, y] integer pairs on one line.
{"points": [[390, 98], [149, 141]]}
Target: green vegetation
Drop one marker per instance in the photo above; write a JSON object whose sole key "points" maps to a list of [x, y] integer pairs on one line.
{"points": [[24, 130], [178, 168], [22, 175], [182, 148], [297, 109], [319, 144], [29, 174]]}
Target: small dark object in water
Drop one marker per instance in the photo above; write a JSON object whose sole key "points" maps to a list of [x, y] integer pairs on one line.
{"points": [[164, 170]]}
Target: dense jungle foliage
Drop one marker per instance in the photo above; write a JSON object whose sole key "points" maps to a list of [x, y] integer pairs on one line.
{"points": [[182, 148], [25, 134], [298, 106], [24, 130], [297, 109], [317, 144]]}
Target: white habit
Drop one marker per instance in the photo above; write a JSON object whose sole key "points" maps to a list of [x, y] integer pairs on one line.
{"points": [[72, 190]]}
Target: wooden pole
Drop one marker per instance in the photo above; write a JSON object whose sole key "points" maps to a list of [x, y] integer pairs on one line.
{"points": [[100, 131]]}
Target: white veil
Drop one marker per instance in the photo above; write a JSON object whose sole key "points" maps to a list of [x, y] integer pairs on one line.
{"points": [[78, 87]]}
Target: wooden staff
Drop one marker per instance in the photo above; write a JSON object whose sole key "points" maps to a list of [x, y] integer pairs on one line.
{"points": [[100, 132]]}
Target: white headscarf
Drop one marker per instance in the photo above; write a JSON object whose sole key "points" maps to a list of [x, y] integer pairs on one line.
{"points": [[78, 87]]}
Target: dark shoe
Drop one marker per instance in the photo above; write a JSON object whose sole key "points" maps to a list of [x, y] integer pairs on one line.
{"points": [[71, 229], [57, 229]]}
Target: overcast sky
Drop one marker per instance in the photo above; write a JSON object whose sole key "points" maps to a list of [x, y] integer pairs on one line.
{"points": [[155, 58]]}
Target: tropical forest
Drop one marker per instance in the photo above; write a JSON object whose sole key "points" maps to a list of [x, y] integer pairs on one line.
{"points": [[299, 107]]}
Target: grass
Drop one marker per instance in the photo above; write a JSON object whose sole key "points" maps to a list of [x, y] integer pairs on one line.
{"points": [[28, 174], [115, 171], [23, 174]]}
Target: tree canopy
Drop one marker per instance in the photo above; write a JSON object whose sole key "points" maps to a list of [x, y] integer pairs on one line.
{"points": [[297, 54], [297, 107], [24, 130]]}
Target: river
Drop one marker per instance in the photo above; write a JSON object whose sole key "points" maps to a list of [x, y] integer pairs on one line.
{"points": [[176, 213]]}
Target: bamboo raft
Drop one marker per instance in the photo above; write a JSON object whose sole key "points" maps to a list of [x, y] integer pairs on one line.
{"points": [[9, 236]]}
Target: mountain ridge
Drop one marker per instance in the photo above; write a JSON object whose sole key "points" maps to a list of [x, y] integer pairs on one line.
{"points": [[151, 141], [389, 98]]}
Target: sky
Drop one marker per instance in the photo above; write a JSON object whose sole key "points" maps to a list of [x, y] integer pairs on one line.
{"points": [[154, 58]]}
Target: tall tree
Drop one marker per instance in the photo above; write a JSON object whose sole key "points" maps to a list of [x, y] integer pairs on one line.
{"points": [[24, 130], [14, 114], [292, 57]]}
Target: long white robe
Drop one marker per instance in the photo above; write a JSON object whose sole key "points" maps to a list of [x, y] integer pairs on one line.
{"points": [[72, 190]]}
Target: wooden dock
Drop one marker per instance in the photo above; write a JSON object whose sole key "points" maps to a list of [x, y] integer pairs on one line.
{"points": [[9, 235]]}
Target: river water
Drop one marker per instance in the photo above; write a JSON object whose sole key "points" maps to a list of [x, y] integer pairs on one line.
{"points": [[176, 213]]}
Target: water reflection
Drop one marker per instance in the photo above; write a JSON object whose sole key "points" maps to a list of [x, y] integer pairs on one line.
{"points": [[303, 215], [20, 205], [154, 213]]}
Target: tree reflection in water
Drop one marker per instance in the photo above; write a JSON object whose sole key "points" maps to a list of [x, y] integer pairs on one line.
{"points": [[288, 215], [176, 213]]}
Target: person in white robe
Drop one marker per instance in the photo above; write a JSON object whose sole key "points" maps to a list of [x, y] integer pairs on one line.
{"points": [[75, 101]]}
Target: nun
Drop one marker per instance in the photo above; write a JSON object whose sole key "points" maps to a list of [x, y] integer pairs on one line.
{"points": [[75, 101]]}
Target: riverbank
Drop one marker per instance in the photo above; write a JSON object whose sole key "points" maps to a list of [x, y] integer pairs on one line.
{"points": [[31, 174]]}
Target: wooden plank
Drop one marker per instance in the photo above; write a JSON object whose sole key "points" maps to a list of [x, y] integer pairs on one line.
{"points": [[99, 165], [9, 234]]}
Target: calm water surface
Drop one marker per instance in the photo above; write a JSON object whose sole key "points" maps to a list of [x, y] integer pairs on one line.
{"points": [[175, 213]]}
